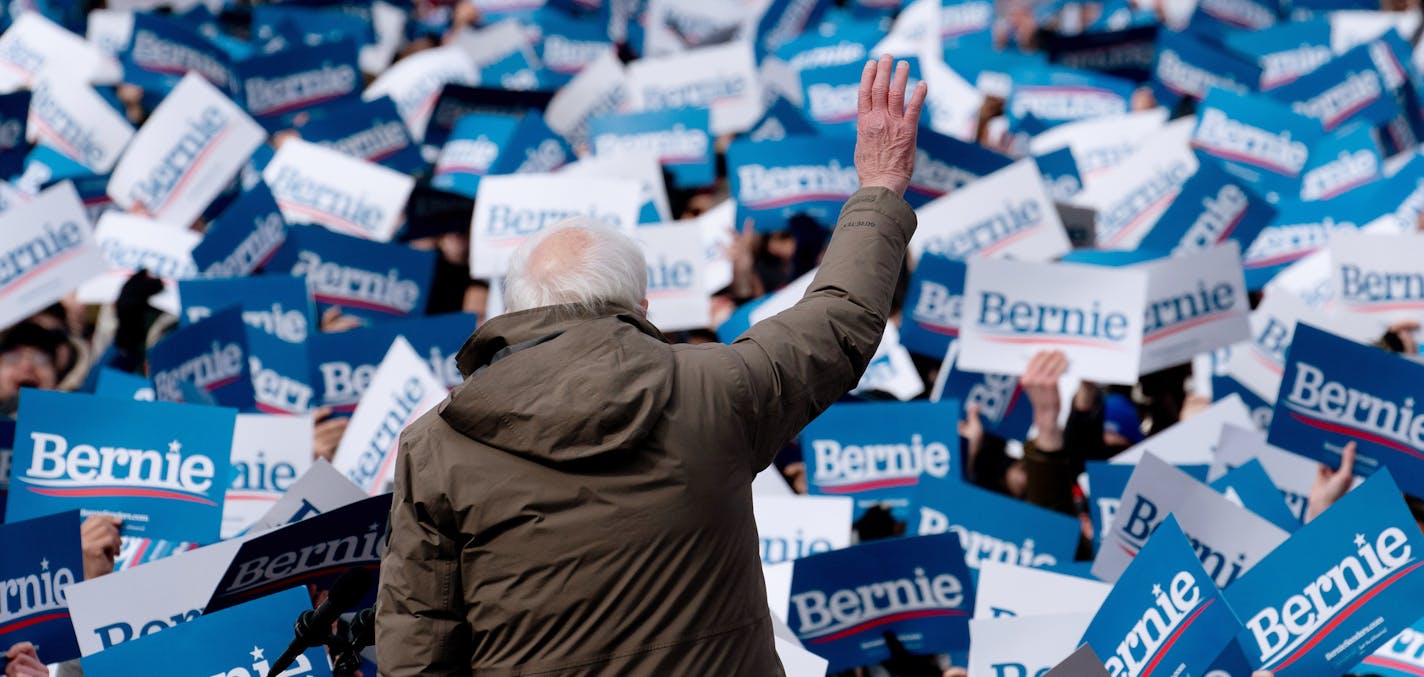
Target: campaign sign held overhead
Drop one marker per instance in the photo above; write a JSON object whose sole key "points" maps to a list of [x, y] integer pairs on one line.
{"points": [[678, 137], [244, 236], [1212, 208], [1257, 138], [1003, 408], [166, 480], [1339, 589], [344, 363], [874, 450], [47, 249], [242, 641], [269, 453], [401, 391], [773, 181], [311, 551], [1007, 213], [41, 560], [1335, 391], [992, 527], [187, 152], [677, 299], [374, 281], [1402, 656], [509, 209], [1379, 276], [211, 356], [1196, 303], [320, 185], [1164, 613], [791, 527], [933, 305], [1013, 309], [917, 588]]}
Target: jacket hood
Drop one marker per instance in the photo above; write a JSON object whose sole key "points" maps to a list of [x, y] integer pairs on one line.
{"points": [[562, 384]]}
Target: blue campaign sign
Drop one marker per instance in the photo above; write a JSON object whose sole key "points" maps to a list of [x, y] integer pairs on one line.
{"points": [[533, 147], [783, 20], [41, 559], [1339, 589], [995, 528], [1345, 89], [566, 45], [1163, 614], [933, 305], [1302, 227], [239, 642], [279, 305], [457, 101], [244, 237], [773, 181], [843, 601], [343, 363], [210, 355], [1334, 391], [1285, 51], [1249, 484], [316, 549], [1124, 51], [1187, 67], [278, 85], [469, 154], [14, 117], [1226, 386], [7, 447], [162, 49], [1402, 656], [1213, 207], [1213, 18], [829, 96], [1004, 410], [161, 466], [679, 137], [122, 385], [782, 120], [1060, 173], [1341, 162], [295, 24], [944, 164], [879, 452], [1256, 138], [1053, 95], [848, 44], [374, 281], [370, 130], [966, 23]]}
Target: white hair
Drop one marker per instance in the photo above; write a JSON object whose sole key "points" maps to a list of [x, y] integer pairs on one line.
{"points": [[578, 261]]}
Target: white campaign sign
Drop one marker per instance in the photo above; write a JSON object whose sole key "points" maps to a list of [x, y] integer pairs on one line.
{"points": [[792, 527], [784, 297], [320, 489], [34, 47], [641, 167], [676, 299], [719, 236], [1193, 441], [187, 152], [344, 194], [70, 117], [1013, 309], [402, 390], [415, 82], [891, 369], [1308, 279], [1007, 213], [1228, 538], [722, 78], [1007, 589], [796, 661], [1131, 196], [1379, 279], [47, 249], [269, 453], [1023, 646], [508, 209], [137, 602], [133, 242], [1196, 303], [600, 88], [1292, 473], [1100, 143]]}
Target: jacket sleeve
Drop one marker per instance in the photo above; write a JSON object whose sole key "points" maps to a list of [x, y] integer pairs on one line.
{"points": [[420, 616], [803, 359]]}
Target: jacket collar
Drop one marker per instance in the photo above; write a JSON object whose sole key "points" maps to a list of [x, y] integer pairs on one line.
{"points": [[535, 325]]}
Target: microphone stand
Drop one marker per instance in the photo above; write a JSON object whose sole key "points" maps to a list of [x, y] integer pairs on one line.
{"points": [[350, 640]]}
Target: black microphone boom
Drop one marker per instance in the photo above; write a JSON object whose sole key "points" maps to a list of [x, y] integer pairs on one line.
{"points": [[313, 627]]}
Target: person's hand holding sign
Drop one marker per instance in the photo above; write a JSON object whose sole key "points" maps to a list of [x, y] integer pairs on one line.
{"points": [[886, 126]]}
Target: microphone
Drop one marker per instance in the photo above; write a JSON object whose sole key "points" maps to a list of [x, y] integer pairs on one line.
{"points": [[313, 627]]}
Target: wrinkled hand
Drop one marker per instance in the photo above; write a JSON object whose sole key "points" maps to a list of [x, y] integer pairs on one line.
{"points": [[1040, 384], [100, 542], [326, 434], [885, 127], [23, 661], [1331, 485]]}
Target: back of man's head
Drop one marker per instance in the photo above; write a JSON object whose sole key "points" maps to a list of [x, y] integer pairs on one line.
{"points": [[577, 261]]}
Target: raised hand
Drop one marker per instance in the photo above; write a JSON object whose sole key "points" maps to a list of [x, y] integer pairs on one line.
{"points": [[1330, 485], [885, 127]]}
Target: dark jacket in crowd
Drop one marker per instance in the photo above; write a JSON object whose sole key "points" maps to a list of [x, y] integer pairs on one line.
{"points": [[581, 504]]}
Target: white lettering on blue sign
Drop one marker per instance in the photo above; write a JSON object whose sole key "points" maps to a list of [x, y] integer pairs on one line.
{"points": [[218, 367], [853, 609], [1254, 146], [849, 468], [58, 469]]}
